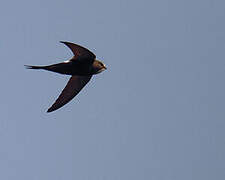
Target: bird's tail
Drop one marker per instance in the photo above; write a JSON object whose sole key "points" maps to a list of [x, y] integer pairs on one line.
{"points": [[61, 68], [34, 67]]}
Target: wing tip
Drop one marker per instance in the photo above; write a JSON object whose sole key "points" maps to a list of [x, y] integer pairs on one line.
{"points": [[50, 110], [53, 108], [64, 42]]}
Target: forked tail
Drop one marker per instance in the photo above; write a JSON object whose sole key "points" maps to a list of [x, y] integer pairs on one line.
{"points": [[34, 67], [62, 68]]}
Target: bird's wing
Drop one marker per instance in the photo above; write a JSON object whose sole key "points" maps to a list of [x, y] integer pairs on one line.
{"points": [[79, 51], [73, 87]]}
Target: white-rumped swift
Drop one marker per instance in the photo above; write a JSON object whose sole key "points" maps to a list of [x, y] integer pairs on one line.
{"points": [[81, 66]]}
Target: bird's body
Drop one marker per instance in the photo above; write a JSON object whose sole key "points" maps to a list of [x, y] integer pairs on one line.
{"points": [[82, 66], [71, 67]]}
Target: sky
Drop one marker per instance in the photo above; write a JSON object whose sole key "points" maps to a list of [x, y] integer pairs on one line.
{"points": [[156, 113]]}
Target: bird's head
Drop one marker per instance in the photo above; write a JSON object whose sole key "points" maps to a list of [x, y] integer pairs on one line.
{"points": [[98, 66]]}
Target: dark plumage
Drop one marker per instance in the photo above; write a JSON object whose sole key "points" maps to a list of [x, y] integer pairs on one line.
{"points": [[82, 66]]}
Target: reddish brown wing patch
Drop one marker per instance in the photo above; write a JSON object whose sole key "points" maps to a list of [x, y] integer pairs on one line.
{"points": [[79, 51], [73, 87]]}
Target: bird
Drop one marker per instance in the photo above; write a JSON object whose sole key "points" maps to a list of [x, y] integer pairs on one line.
{"points": [[82, 66]]}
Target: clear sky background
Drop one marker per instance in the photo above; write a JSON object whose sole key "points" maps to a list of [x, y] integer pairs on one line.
{"points": [[157, 113]]}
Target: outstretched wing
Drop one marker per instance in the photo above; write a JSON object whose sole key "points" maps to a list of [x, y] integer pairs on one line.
{"points": [[80, 52], [73, 87]]}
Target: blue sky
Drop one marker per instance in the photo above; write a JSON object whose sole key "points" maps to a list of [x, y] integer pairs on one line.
{"points": [[156, 113]]}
